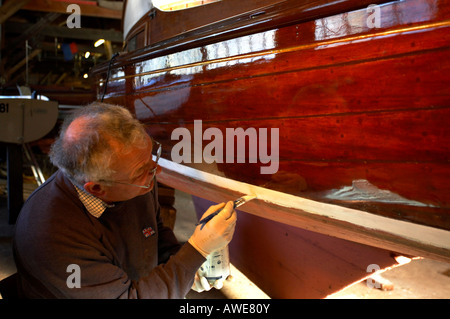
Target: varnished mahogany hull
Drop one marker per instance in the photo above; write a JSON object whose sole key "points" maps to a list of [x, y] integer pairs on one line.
{"points": [[351, 103], [363, 117]]}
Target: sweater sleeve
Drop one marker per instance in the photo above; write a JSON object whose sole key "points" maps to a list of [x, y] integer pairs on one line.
{"points": [[44, 274], [173, 279], [167, 242]]}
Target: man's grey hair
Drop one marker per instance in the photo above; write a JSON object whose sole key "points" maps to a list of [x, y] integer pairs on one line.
{"points": [[87, 156]]}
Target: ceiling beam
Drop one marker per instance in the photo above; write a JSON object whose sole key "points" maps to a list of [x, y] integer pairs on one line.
{"points": [[16, 67], [51, 47], [86, 8], [10, 7], [64, 32], [32, 31]]}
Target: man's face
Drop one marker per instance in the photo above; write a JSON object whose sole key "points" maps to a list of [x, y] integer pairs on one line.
{"points": [[132, 167]]}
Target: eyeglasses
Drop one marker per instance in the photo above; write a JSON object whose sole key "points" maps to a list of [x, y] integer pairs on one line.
{"points": [[156, 153]]}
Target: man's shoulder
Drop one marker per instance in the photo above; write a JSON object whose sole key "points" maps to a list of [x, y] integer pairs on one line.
{"points": [[54, 188], [51, 218], [52, 201]]}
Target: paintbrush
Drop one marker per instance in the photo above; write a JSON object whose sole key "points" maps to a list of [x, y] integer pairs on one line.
{"points": [[236, 203]]}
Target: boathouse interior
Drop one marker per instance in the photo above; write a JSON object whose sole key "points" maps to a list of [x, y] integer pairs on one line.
{"points": [[64, 51]]}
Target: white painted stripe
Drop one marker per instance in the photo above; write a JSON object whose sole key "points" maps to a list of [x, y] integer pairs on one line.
{"points": [[418, 233]]}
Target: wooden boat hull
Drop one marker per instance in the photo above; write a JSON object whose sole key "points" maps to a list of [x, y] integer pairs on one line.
{"points": [[291, 262], [362, 113]]}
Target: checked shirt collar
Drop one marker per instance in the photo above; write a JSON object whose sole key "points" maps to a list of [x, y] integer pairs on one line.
{"points": [[94, 205]]}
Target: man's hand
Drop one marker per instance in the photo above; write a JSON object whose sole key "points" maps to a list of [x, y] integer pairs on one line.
{"points": [[216, 233], [201, 283]]}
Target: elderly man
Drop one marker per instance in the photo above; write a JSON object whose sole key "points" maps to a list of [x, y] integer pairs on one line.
{"points": [[93, 229]]}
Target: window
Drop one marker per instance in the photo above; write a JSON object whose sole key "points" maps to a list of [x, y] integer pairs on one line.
{"points": [[134, 11], [172, 5]]}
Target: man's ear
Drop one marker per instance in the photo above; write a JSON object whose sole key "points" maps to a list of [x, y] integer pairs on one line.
{"points": [[95, 189]]}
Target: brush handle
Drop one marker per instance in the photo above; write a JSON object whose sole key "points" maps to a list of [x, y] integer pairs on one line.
{"points": [[210, 216]]}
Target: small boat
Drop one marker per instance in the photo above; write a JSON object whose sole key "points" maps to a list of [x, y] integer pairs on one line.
{"points": [[335, 114]]}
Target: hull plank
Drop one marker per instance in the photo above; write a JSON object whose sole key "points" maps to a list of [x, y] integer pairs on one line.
{"points": [[328, 219], [289, 262]]}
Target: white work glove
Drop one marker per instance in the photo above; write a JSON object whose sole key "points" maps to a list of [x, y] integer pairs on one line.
{"points": [[217, 232], [201, 283]]}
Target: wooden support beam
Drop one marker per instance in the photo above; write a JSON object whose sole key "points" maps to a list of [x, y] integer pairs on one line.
{"points": [[50, 46], [86, 8], [21, 63], [32, 31], [64, 32], [108, 49], [61, 78], [10, 7]]}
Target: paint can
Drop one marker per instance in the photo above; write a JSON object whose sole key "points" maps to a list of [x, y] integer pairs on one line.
{"points": [[217, 265]]}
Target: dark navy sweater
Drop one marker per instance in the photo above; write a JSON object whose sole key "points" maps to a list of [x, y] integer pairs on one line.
{"points": [[125, 253]]}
